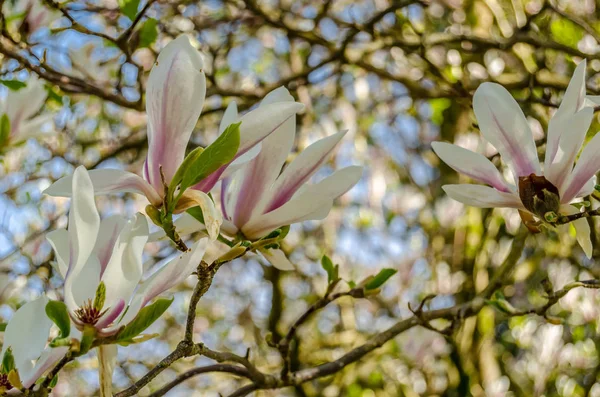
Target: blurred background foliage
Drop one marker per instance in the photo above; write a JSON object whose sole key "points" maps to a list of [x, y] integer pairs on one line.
{"points": [[397, 75]]}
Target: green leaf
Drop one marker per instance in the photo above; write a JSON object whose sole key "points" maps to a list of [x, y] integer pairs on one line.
{"points": [[100, 296], [58, 313], [53, 382], [380, 278], [189, 159], [221, 152], [145, 318], [4, 129], [8, 362], [3, 327], [129, 8], [196, 212], [148, 33], [14, 85], [330, 268]]}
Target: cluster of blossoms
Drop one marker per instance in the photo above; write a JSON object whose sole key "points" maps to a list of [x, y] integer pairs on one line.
{"points": [[108, 300], [105, 292]]}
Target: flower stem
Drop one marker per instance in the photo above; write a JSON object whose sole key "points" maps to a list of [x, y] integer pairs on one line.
{"points": [[105, 370]]}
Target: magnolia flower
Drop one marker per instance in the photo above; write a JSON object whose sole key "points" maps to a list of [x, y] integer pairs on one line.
{"points": [[26, 336], [174, 98], [536, 193], [21, 108], [104, 258], [259, 198]]}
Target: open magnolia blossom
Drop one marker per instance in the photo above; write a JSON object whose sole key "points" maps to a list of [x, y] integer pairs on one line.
{"points": [[536, 193], [26, 339], [20, 110], [101, 262], [175, 94], [259, 198]]}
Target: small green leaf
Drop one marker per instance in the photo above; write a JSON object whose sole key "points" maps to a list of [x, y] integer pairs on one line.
{"points": [[196, 212], [189, 159], [148, 33], [58, 313], [8, 362], [380, 278], [330, 268], [221, 152], [14, 85], [145, 318], [53, 382], [100, 296], [129, 8], [4, 129], [3, 327], [14, 379]]}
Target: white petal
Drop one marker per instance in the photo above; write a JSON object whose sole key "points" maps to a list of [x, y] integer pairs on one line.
{"points": [[174, 99], [587, 166], [124, 269], [572, 102], [212, 217], [300, 170], [503, 124], [173, 273], [108, 181], [81, 284], [278, 259], [582, 229], [107, 361], [256, 126], [259, 174], [471, 164], [573, 131], [27, 333], [48, 359], [59, 240], [482, 196], [313, 199], [84, 220], [24, 103], [230, 116], [33, 128]]}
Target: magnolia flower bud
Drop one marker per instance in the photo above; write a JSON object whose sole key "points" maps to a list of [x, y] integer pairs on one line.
{"points": [[538, 195]]}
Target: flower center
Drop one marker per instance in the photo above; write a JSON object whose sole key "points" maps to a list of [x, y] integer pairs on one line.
{"points": [[538, 195], [4, 383], [89, 313]]}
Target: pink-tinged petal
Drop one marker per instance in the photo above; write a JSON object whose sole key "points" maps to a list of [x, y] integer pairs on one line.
{"points": [[573, 101], [27, 333], [587, 166], [256, 177], [504, 125], [173, 273], [212, 218], [471, 164], [256, 126], [309, 201], [588, 188], [124, 269], [278, 259], [33, 128], [111, 315], [84, 221], [574, 129], [482, 196], [300, 170], [108, 181], [59, 240], [48, 359], [108, 236], [174, 99], [26, 102]]}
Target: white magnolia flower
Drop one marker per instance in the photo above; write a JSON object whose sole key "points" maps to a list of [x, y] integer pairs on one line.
{"points": [[109, 252], [174, 98], [21, 108], [27, 337], [536, 190], [259, 198]]}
